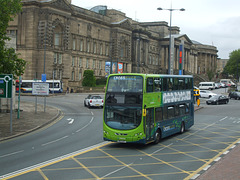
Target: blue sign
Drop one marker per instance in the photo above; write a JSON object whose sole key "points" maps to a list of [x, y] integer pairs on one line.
{"points": [[44, 77]]}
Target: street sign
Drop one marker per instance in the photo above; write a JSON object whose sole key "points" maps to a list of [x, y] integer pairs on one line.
{"points": [[39, 88], [44, 77], [6, 85]]}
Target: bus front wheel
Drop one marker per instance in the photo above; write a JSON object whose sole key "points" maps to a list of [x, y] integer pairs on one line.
{"points": [[182, 128], [157, 137]]}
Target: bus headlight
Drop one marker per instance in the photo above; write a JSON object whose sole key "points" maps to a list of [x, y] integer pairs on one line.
{"points": [[105, 132]]}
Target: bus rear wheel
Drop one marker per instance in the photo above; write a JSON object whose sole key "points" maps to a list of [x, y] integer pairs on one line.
{"points": [[157, 137], [182, 128]]}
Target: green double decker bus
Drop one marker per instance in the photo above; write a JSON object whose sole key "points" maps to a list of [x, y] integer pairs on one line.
{"points": [[143, 108]]}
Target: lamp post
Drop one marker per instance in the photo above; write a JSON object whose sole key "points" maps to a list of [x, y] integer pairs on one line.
{"points": [[171, 52]]}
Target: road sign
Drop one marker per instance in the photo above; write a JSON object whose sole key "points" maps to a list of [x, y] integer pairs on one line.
{"points": [[44, 77], [39, 88], [6, 85]]}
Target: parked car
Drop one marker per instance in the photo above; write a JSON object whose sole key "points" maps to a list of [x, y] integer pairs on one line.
{"points": [[207, 85], [217, 85], [93, 101], [206, 93], [222, 85], [234, 94], [218, 99]]}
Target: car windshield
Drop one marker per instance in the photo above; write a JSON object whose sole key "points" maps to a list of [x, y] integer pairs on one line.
{"points": [[215, 97], [96, 97], [123, 118]]}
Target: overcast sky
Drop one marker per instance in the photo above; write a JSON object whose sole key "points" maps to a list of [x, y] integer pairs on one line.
{"points": [[210, 22]]}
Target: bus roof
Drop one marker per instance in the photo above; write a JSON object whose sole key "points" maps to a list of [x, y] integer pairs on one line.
{"points": [[152, 75]]}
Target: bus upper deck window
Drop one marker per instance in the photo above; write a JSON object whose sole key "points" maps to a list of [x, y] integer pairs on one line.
{"points": [[150, 85]]}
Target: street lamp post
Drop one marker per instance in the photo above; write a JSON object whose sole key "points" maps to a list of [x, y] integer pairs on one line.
{"points": [[170, 53]]}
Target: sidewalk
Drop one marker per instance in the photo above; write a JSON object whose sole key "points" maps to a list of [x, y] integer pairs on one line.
{"points": [[28, 120], [228, 168]]}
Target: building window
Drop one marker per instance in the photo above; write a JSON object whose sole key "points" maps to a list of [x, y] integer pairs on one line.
{"points": [[73, 74], [101, 49], [73, 61], [79, 76], [57, 39], [88, 46], [57, 59], [80, 62], [81, 45], [100, 65], [94, 64], [95, 48], [60, 74], [106, 50], [74, 44], [87, 62], [54, 74]]}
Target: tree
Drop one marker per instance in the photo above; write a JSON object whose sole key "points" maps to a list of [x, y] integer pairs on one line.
{"points": [[210, 74], [9, 61], [89, 79], [233, 65]]}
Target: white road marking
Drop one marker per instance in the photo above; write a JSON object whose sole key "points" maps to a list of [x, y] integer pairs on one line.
{"points": [[217, 159], [70, 120], [116, 170], [223, 119], [161, 149], [54, 141], [226, 152], [207, 167], [86, 125], [195, 176], [10, 154]]}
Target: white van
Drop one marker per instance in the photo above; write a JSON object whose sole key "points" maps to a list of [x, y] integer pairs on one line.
{"points": [[227, 82], [207, 85]]}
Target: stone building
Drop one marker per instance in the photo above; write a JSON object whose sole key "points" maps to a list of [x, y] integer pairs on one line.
{"points": [[63, 40]]}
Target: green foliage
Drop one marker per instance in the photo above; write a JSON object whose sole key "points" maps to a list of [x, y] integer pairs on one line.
{"points": [[233, 64], [210, 74], [9, 61], [101, 81], [89, 79]]}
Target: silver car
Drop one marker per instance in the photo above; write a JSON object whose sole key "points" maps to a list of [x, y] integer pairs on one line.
{"points": [[93, 101], [206, 93]]}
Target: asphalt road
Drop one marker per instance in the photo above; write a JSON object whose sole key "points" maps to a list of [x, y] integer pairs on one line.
{"points": [[66, 149]]}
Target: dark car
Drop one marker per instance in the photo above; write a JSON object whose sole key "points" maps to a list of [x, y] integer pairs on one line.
{"points": [[218, 99], [234, 94]]}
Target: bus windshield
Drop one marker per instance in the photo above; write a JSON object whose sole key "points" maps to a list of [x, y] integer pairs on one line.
{"points": [[126, 83], [123, 117]]}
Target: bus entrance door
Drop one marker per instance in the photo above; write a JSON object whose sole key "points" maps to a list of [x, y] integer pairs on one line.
{"points": [[149, 124]]}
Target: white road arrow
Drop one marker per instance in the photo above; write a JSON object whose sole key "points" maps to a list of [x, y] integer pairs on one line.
{"points": [[70, 120]]}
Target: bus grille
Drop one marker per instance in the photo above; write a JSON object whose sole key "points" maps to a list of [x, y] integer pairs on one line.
{"points": [[121, 134]]}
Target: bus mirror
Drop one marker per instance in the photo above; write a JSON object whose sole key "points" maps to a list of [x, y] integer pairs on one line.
{"points": [[144, 112]]}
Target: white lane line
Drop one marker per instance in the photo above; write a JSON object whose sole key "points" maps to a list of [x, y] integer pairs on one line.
{"points": [[223, 119], [10, 154], [18, 172], [207, 167], [54, 141], [226, 152], [116, 170], [161, 149], [86, 125], [217, 159], [195, 176]]}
